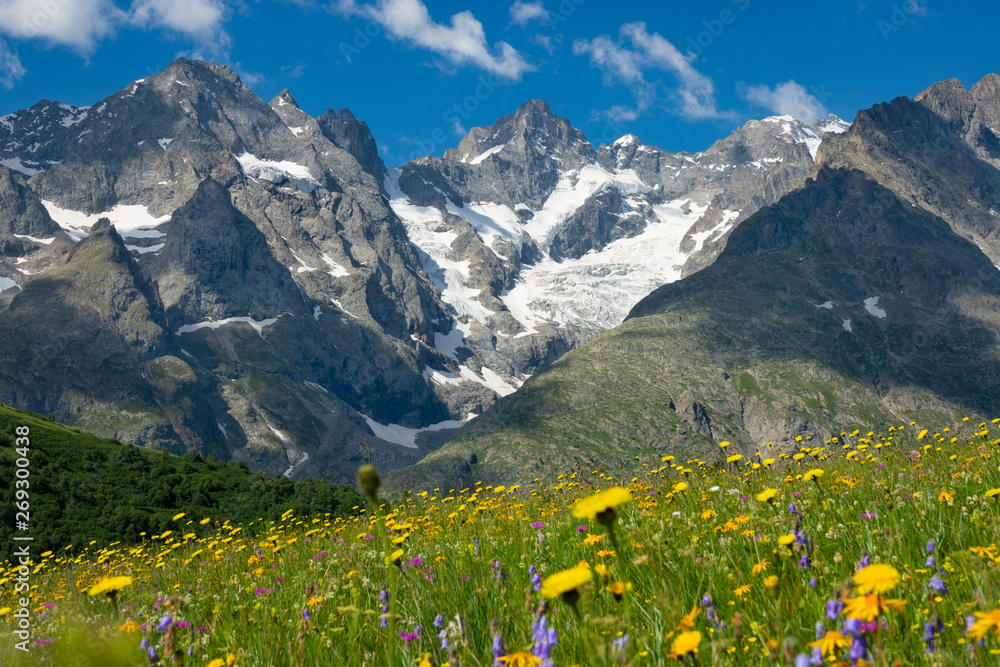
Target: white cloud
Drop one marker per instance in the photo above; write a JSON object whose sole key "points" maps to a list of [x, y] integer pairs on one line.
{"points": [[787, 99], [11, 69], [78, 24], [462, 42], [636, 52], [200, 19], [82, 24], [522, 13]]}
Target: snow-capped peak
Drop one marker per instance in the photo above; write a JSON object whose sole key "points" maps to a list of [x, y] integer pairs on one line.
{"points": [[627, 140]]}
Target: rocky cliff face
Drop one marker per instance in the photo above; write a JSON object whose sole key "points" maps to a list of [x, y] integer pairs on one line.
{"points": [[866, 297]]}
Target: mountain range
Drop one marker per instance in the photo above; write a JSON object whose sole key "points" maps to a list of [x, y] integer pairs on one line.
{"points": [[868, 296], [187, 267]]}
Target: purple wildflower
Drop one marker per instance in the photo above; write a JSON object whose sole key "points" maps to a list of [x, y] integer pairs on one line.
{"points": [[937, 585], [545, 638], [497, 649]]}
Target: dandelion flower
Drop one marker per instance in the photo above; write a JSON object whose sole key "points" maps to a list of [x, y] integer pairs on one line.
{"points": [[868, 607], [771, 581], [565, 583], [179, 516], [130, 626], [876, 578], [993, 493], [110, 586], [986, 622], [767, 496], [786, 540], [813, 474], [519, 659], [830, 643], [601, 506], [685, 643], [688, 620]]}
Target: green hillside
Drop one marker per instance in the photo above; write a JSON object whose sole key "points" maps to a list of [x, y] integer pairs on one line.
{"points": [[84, 488]]}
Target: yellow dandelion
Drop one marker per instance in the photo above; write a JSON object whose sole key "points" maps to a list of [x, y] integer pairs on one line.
{"points": [[688, 620], [565, 583], [771, 581], [110, 586], [810, 475], [868, 607], [519, 659], [130, 626], [786, 540], [601, 505], [767, 496], [685, 643], [830, 643], [876, 578], [986, 622], [178, 517]]}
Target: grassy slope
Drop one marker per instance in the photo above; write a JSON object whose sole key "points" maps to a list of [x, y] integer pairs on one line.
{"points": [[85, 488]]}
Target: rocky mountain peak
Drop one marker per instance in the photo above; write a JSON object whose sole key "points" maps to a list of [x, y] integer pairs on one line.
{"points": [[352, 135], [200, 71], [284, 98], [531, 130]]}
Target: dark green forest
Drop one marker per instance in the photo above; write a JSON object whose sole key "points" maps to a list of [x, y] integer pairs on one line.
{"points": [[83, 489]]}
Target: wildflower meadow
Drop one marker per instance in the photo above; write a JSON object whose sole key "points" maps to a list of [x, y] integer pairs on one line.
{"points": [[867, 549]]}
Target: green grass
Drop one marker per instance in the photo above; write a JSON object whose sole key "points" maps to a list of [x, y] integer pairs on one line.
{"points": [[84, 488], [704, 557]]}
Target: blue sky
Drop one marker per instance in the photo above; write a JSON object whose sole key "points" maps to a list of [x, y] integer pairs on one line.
{"points": [[677, 74]]}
